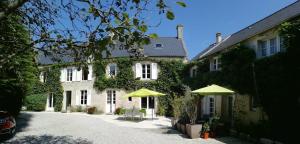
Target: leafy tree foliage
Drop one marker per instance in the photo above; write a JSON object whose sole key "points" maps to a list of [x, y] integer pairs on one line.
{"points": [[19, 72]]}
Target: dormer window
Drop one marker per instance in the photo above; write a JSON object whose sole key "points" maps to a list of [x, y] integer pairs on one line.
{"points": [[158, 45]]}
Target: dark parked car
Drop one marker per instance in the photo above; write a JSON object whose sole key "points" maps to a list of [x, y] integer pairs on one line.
{"points": [[7, 124]]}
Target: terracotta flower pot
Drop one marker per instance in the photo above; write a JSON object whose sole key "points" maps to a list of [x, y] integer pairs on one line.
{"points": [[205, 135]]}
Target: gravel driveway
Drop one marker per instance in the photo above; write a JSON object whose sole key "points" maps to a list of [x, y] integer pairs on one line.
{"points": [[61, 128]]}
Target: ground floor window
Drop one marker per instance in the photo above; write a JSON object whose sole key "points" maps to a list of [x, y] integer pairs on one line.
{"points": [[147, 102], [211, 106], [51, 100], [83, 99]]}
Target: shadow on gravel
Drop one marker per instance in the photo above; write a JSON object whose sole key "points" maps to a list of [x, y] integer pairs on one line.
{"points": [[170, 130], [48, 139], [231, 140], [23, 121]]}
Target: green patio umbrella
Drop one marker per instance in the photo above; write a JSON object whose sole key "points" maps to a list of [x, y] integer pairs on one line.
{"points": [[143, 92], [213, 90]]}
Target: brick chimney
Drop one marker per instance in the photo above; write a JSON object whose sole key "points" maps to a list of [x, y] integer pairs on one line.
{"points": [[180, 31]]}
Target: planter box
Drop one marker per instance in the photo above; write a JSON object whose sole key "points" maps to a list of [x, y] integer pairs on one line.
{"points": [[178, 126], [193, 131], [183, 128], [173, 122]]}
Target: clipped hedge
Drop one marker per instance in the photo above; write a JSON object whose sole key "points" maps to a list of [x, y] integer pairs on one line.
{"points": [[36, 102]]}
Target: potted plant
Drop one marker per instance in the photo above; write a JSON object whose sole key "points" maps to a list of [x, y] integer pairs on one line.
{"points": [[205, 130], [213, 126], [177, 106], [191, 106]]}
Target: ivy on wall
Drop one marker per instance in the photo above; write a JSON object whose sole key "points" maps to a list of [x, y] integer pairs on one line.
{"points": [[169, 79], [36, 98], [53, 85]]}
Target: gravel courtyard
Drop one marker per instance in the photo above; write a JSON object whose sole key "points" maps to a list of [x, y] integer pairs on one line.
{"points": [[61, 128]]}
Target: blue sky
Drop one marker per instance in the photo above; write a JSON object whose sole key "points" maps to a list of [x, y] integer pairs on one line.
{"points": [[202, 19]]}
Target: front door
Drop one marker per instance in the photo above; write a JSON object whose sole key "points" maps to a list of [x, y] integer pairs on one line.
{"points": [[68, 98], [111, 101], [148, 103]]}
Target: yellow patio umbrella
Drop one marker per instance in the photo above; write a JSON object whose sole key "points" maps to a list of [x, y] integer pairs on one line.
{"points": [[143, 92], [213, 90]]}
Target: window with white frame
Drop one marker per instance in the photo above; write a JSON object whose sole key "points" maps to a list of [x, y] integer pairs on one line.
{"points": [[51, 100], [211, 106], [146, 71], [282, 47], [262, 45], [69, 74], [83, 98], [273, 46], [112, 70], [85, 73], [193, 72], [43, 77], [216, 64]]}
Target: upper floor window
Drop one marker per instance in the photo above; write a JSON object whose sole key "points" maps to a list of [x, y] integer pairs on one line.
{"points": [[262, 45], [282, 46], [146, 71], [193, 72], [273, 46], [112, 70], [43, 77], [216, 64], [69, 74], [85, 73]]}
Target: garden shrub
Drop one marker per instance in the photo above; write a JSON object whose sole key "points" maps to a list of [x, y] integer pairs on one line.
{"points": [[119, 111], [143, 111], [36, 102]]}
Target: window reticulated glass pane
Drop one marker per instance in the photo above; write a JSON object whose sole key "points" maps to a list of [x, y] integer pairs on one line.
{"points": [[112, 69], [263, 47], [148, 71], [108, 97], [144, 102], [273, 46], [151, 102], [85, 73], [143, 71], [114, 97]]}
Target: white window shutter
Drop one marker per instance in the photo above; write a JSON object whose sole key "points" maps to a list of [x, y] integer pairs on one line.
{"points": [[42, 76], [90, 72], [154, 71], [77, 97], [89, 97], [62, 75], [79, 75], [74, 73], [138, 70]]}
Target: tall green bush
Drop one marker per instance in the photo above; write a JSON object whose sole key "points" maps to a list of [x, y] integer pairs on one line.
{"points": [[36, 102]]}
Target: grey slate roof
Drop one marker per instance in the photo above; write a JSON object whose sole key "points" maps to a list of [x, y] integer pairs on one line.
{"points": [[261, 26], [171, 47]]}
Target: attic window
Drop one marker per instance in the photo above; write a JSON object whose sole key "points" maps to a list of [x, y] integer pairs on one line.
{"points": [[158, 45]]}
